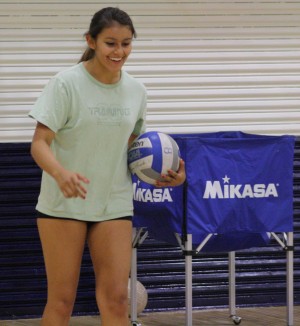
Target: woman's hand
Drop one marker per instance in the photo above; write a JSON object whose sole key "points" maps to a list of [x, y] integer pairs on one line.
{"points": [[71, 184], [173, 179]]}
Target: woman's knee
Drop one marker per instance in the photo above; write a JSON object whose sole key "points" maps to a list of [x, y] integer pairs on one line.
{"points": [[115, 300], [62, 306]]}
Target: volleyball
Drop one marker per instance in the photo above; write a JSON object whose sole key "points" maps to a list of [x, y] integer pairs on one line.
{"points": [[141, 297], [152, 154]]}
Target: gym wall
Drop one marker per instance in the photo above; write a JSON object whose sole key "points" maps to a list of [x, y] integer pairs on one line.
{"points": [[208, 65]]}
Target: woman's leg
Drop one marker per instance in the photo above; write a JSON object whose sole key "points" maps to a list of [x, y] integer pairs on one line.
{"points": [[110, 249], [63, 244]]}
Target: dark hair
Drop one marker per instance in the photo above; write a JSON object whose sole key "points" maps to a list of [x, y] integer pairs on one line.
{"points": [[102, 19]]}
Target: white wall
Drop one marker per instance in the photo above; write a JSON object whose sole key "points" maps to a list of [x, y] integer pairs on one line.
{"points": [[208, 65]]}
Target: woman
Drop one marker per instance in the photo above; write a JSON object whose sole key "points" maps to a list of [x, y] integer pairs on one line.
{"points": [[86, 117]]}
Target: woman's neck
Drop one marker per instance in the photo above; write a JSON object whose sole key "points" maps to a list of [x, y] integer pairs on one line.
{"points": [[101, 74]]}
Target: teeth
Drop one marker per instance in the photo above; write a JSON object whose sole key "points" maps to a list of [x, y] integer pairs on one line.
{"points": [[115, 59]]}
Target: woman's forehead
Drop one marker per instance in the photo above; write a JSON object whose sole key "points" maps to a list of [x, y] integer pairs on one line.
{"points": [[117, 31]]}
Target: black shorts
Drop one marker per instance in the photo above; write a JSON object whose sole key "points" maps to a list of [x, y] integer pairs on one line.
{"points": [[89, 223]]}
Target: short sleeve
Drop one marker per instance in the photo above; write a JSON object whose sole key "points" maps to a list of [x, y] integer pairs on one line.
{"points": [[140, 126], [52, 107]]}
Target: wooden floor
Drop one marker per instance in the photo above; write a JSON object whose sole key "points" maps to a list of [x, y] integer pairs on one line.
{"points": [[274, 316]]}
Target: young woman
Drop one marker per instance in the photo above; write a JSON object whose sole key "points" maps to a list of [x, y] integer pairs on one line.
{"points": [[86, 117]]}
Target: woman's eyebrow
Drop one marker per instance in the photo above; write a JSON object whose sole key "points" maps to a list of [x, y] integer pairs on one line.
{"points": [[114, 39]]}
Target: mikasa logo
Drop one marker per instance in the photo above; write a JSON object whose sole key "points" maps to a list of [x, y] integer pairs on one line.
{"points": [[156, 195], [214, 189]]}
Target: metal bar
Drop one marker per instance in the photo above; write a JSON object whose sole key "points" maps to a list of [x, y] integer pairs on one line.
{"points": [[203, 243], [290, 280], [136, 235], [189, 282], [281, 243], [178, 238], [133, 278], [232, 294]]}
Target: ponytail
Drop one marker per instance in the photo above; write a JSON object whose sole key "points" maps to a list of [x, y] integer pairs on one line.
{"points": [[87, 55]]}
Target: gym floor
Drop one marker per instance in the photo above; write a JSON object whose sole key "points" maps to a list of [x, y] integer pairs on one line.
{"points": [[275, 316]]}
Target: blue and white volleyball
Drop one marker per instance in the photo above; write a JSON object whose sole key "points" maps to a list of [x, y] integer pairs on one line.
{"points": [[153, 154]]}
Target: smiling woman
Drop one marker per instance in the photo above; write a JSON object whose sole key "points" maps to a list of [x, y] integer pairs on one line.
{"points": [[80, 143], [86, 117]]}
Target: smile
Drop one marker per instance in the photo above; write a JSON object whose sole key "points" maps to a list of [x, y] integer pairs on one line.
{"points": [[116, 59]]}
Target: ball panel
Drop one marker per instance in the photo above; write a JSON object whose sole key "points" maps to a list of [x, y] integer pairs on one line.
{"points": [[167, 153], [138, 153], [157, 151], [141, 164], [150, 173], [176, 155], [146, 178]]}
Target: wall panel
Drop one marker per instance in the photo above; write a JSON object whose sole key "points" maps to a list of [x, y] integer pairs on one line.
{"points": [[197, 58]]}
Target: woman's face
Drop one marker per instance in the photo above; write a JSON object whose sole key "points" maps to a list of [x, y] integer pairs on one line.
{"points": [[112, 47]]}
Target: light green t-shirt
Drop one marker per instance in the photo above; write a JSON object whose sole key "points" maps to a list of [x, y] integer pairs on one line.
{"points": [[92, 122]]}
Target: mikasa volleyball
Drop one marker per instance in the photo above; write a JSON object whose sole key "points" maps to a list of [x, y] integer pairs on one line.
{"points": [[153, 154]]}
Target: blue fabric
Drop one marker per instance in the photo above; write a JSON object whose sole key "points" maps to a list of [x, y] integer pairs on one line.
{"points": [[158, 209], [239, 186]]}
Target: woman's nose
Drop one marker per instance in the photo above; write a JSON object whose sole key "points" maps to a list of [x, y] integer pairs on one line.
{"points": [[118, 49]]}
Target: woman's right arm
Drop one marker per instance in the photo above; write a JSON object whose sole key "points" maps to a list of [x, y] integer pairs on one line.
{"points": [[70, 183]]}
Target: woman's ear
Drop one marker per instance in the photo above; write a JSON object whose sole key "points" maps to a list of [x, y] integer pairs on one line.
{"points": [[90, 42]]}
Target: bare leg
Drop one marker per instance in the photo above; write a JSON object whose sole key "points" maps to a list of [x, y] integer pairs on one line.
{"points": [[63, 243], [110, 248]]}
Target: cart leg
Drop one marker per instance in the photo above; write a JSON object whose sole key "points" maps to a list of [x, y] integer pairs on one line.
{"points": [[133, 280], [231, 268], [232, 293], [290, 279], [188, 281]]}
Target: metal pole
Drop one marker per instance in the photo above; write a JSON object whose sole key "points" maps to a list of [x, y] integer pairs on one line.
{"points": [[232, 297], [133, 280], [290, 279], [189, 281]]}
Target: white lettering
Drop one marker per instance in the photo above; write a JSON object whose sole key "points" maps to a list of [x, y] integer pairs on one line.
{"points": [[259, 190], [247, 192], [156, 195], [271, 190], [214, 190], [235, 191]]}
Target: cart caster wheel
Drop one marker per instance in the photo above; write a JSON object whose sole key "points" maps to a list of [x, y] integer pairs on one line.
{"points": [[236, 319], [135, 323]]}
